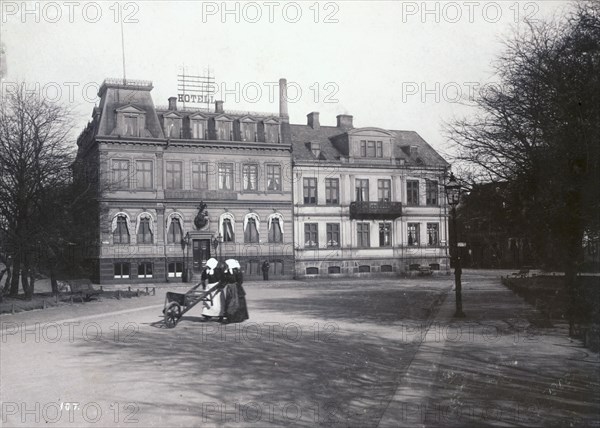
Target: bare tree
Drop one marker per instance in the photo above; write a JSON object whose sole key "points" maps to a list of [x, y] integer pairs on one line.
{"points": [[539, 130], [35, 159]]}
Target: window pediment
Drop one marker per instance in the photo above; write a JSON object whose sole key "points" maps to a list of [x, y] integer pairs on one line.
{"points": [[370, 132], [130, 108], [172, 115], [223, 118]]}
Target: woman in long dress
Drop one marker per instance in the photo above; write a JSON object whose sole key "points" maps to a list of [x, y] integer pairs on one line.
{"points": [[213, 275], [235, 296]]}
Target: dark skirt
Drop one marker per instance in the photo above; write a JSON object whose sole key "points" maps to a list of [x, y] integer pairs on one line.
{"points": [[235, 303]]}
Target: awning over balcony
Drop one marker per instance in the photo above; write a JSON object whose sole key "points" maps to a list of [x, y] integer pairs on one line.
{"points": [[375, 210]]}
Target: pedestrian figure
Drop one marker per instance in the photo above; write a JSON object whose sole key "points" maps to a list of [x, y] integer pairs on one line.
{"points": [[265, 270], [211, 276], [235, 296]]}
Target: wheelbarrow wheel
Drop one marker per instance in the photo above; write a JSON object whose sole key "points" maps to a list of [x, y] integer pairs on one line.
{"points": [[172, 314]]}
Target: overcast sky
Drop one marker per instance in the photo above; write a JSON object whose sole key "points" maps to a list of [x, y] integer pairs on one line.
{"points": [[391, 64]]}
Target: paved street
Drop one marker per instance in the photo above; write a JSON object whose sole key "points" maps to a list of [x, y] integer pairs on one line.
{"points": [[343, 353]]}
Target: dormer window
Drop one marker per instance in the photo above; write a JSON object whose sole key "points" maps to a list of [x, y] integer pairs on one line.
{"points": [[131, 121], [315, 148], [132, 127], [198, 129], [247, 129], [224, 128], [172, 125], [371, 149], [271, 130]]}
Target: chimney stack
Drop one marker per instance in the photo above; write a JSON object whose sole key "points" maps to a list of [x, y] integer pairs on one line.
{"points": [[283, 98], [313, 120], [173, 103], [219, 107], [344, 121]]}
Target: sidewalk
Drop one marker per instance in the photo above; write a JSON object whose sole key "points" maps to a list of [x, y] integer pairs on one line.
{"points": [[497, 367]]}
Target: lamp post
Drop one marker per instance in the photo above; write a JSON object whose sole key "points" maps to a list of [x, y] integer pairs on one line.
{"points": [[215, 244], [185, 243], [453, 196]]}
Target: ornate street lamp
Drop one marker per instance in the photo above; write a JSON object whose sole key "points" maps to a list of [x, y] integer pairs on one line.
{"points": [[453, 196]]}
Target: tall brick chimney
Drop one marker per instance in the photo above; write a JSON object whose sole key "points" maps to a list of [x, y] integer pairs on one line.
{"points": [[173, 103], [219, 107], [344, 121], [313, 120]]}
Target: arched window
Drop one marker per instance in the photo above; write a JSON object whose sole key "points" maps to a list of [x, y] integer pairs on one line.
{"points": [[227, 227], [174, 230], [120, 229], [145, 232], [251, 227], [275, 225]]}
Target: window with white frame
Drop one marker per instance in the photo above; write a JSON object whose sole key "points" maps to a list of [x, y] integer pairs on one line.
{"points": [[433, 234], [225, 176], [311, 235], [174, 175], [198, 129], [431, 192], [120, 173], [175, 269], [384, 190], [413, 234], [333, 234], [412, 192], [362, 190], [274, 177], [121, 230], [363, 235], [251, 229], [143, 174], [175, 232], [385, 234], [131, 124], [275, 231], [121, 270], [145, 270], [144, 232], [200, 175], [250, 177]]}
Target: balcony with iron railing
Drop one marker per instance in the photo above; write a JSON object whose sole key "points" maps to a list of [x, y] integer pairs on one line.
{"points": [[379, 210]]}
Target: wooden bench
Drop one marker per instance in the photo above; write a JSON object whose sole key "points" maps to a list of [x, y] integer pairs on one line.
{"points": [[83, 288], [523, 273]]}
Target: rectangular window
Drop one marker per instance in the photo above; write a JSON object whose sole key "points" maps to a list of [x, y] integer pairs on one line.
{"points": [[385, 234], [120, 173], [371, 149], [171, 128], [384, 190], [310, 191], [311, 235], [250, 177], [413, 234], [143, 174], [248, 131], [145, 270], [198, 129], [174, 233], [363, 236], [431, 192], [174, 175], [433, 237], [272, 133], [227, 232], [121, 270], [332, 191], [274, 178], [175, 269], [131, 126], [362, 190], [224, 130], [200, 175], [333, 234], [226, 176], [121, 232], [412, 192]]}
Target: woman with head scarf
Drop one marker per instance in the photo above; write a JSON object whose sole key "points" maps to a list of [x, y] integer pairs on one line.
{"points": [[235, 296], [212, 275]]}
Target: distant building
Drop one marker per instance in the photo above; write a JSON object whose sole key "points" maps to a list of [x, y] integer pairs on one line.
{"points": [[366, 200], [310, 199]]}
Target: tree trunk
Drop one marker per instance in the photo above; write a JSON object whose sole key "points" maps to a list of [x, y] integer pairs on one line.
{"points": [[30, 288], [6, 288], [53, 281], [14, 284], [25, 282], [2, 276]]}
